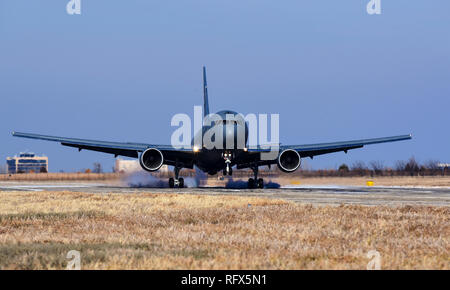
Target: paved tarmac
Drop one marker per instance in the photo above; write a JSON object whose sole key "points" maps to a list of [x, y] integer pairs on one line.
{"points": [[318, 195]]}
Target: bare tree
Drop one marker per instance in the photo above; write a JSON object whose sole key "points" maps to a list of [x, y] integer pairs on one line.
{"points": [[412, 167], [430, 168], [359, 168], [400, 167], [97, 168], [432, 165], [343, 169], [377, 167]]}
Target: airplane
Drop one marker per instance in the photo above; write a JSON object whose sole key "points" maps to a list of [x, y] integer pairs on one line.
{"points": [[152, 157]]}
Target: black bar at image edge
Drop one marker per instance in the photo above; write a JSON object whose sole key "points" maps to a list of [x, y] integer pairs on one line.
{"points": [[222, 279]]}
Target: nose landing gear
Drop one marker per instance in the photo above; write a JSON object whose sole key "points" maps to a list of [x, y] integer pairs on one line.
{"points": [[228, 170]]}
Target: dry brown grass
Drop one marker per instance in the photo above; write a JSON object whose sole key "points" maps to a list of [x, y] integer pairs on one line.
{"points": [[177, 231], [79, 176]]}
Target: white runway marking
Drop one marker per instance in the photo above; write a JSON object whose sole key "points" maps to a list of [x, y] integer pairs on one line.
{"points": [[327, 186]]}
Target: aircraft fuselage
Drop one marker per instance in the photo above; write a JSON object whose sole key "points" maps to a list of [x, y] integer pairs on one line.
{"points": [[212, 160]]}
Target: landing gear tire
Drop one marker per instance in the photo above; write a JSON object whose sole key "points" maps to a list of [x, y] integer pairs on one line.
{"points": [[260, 183], [251, 183], [181, 182], [229, 172]]}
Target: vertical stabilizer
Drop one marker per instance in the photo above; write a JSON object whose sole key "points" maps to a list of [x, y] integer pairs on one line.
{"points": [[205, 94]]}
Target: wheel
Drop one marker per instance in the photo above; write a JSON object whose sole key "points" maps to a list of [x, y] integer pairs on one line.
{"points": [[260, 183], [181, 182], [251, 183], [171, 182], [229, 172]]}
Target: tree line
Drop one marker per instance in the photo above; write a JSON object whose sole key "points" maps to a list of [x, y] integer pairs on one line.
{"points": [[410, 167]]}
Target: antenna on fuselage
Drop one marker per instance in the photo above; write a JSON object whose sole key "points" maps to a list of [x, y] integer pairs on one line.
{"points": [[205, 94]]}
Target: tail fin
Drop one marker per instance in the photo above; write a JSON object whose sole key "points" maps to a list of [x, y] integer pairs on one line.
{"points": [[205, 94]]}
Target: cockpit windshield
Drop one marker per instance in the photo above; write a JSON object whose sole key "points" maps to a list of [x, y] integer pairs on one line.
{"points": [[225, 122]]}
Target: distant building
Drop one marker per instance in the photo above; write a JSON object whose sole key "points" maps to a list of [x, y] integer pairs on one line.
{"points": [[129, 166], [26, 163]]}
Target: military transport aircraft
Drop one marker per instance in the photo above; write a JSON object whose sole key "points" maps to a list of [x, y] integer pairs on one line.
{"points": [[152, 157]]}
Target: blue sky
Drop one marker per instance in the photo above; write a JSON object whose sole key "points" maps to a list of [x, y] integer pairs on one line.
{"points": [[122, 69]]}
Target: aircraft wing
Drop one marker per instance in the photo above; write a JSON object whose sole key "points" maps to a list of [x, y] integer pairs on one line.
{"points": [[311, 150], [184, 156]]}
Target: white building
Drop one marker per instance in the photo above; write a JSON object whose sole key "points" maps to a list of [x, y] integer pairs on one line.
{"points": [[27, 162]]}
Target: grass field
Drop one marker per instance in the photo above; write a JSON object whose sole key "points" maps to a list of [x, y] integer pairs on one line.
{"points": [[177, 231]]}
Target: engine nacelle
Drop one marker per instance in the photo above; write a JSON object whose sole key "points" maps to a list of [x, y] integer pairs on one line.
{"points": [[289, 160], [151, 159]]}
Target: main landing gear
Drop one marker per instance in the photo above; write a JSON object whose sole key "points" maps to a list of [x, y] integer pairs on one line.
{"points": [[177, 182], [256, 182]]}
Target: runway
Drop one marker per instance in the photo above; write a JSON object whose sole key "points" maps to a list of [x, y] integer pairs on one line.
{"points": [[317, 195]]}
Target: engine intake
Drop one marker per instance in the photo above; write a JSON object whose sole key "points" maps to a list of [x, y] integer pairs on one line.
{"points": [[151, 159], [289, 160]]}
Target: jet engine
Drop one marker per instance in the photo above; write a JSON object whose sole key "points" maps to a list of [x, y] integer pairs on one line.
{"points": [[289, 160], [151, 159]]}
